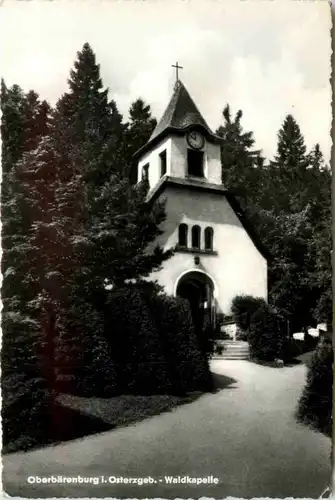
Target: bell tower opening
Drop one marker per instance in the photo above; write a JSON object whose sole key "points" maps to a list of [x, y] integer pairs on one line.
{"points": [[195, 163]]}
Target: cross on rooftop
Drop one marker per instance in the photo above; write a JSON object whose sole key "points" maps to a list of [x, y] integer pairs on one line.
{"points": [[177, 68]]}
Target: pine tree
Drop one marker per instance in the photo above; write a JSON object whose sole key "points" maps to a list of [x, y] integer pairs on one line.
{"points": [[13, 103], [93, 122], [117, 223], [107, 221], [295, 226], [119, 243], [27, 401], [320, 244], [242, 166], [288, 170], [140, 127]]}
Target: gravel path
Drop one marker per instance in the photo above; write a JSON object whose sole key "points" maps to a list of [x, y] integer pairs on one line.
{"points": [[244, 435]]}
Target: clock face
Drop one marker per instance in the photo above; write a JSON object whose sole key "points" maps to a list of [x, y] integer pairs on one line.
{"points": [[195, 139]]}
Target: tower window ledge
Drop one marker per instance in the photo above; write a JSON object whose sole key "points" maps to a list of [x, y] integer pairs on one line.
{"points": [[196, 177], [200, 251]]}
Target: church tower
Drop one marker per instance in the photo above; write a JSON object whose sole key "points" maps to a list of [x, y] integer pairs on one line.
{"points": [[216, 254], [182, 145]]}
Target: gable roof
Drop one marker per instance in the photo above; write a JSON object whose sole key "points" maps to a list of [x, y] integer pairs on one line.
{"points": [[220, 190], [180, 115]]}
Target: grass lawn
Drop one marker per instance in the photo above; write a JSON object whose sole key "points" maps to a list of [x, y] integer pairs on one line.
{"points": [[75, 416], [126, 409]]}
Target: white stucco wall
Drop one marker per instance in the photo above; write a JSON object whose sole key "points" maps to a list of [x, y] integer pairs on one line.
{"points": [[176, 150], [152, 157], [239, 268]]}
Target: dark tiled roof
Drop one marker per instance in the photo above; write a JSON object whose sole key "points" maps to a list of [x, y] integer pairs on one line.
{"points": [[180, 113]]}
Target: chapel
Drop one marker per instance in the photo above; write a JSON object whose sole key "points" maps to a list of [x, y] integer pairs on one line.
{"points": [[217, 255]]}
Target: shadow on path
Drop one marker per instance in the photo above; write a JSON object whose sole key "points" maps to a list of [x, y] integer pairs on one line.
{"points": [[222, 382]]}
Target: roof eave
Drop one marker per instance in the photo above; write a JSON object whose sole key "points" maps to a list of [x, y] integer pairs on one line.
{"points": [[177, 131]]}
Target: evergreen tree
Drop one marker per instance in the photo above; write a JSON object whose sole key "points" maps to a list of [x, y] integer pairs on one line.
{"points": [[27, 400], [93, 123], [117, 223], [13, 103], [242, 166], [107, 222], [320, 244], [288, 170], [140, 128], [295, 226]]}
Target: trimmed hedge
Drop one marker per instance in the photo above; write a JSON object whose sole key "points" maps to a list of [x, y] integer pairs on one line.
{"points": [[135, 346], [82, 359], [26, 412], [26, 395], [153, 344], [183, 350], [243, 307], [266, 334], [138, 341]]}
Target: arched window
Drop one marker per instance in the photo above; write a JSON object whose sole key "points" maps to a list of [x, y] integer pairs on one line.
{"points": [[209, 238], [182, 235], [195, 237]]}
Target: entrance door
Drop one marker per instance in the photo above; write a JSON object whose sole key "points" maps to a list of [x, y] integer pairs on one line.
{"points": [[197, 288]]}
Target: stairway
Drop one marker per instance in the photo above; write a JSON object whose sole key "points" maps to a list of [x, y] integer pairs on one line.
{"points": [[233, 349]]}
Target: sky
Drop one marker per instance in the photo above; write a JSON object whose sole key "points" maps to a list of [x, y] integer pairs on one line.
{"points": [[268, 58]]}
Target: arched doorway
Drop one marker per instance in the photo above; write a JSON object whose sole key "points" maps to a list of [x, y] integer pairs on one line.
{"points": [[198, 289]]}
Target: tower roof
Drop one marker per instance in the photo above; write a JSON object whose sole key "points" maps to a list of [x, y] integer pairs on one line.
{"points": [[180, 113]]}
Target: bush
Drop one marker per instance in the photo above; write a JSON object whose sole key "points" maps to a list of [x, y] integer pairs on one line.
{"points": [[184, 351], [266, 334], [315, 405], [241, 335], [294, 347], [243, 307], [26, 412], [153, 343], [82, 358], [135, 343], [26, 391]]}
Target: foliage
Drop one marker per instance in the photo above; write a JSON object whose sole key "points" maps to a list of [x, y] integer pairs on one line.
{"points": [[135, 344], [27, 387], [184, 352], [66, 204], [140, 127], [288, 201], [152, 342], [242, 165], [243, 307], [266, 334], [315, 405]]}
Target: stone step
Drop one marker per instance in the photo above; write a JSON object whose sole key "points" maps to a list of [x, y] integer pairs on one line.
{"points": [[233, 349], [235, 353], [236, 349], [228, 356], [243, 347], [234, 343]]}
